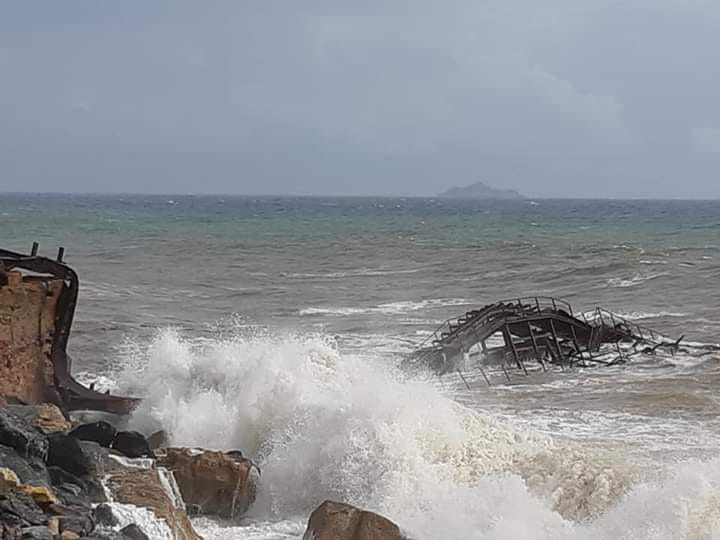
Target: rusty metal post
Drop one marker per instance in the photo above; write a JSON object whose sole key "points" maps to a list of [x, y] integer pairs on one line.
{"points": [[535, 347], [509, 341], [557, 342]]}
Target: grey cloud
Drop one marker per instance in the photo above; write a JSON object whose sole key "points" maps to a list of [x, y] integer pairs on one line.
{"points": [[560, 98]]}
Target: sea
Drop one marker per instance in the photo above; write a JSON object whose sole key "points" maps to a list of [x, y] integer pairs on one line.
{"points": [[277, 326]]}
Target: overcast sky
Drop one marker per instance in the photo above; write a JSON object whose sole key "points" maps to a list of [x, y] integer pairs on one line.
{"points": [[608, 98]]}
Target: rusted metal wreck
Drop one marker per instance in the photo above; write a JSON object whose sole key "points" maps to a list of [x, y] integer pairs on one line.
{"points": [[38, 296], [509, 334]]}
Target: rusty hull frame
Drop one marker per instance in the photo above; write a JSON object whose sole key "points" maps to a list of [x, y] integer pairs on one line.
{"points": [[71, 394]]}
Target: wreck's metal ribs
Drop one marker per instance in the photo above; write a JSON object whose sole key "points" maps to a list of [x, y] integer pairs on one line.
{"points": [[543, 329], [22, 277]]}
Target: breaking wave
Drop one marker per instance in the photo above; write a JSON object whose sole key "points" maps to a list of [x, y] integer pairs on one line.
{"points": [[322, 424], [392, 308]]}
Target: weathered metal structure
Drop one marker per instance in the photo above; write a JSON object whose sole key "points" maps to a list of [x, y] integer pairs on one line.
{"points": [[38, 296], [509, 334]]}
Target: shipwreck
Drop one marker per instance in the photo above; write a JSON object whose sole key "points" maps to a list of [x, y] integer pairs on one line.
{"points": [[545, 331], [38, 296]]}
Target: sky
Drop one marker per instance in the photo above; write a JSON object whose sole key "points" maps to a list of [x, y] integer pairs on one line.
{"points": [[560, 98]]}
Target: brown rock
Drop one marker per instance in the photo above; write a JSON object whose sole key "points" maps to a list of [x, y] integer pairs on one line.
{"points": [[214, 482], [149, 488], [69, 535], [49, 419], [339, 521]]}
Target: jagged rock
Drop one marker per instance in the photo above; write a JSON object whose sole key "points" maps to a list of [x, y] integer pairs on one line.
{"points": [[46, 417], [133, 532], [100, 432], [35, 533], [215, 483], [152, 488], [20, 510], [65, 452], [132, 444], [159, 439], [339, 521], [104, 516], [9, 482], [17, 434], [30, 470], [78, 460]]}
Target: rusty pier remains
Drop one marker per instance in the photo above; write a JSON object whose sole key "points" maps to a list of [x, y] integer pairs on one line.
{"points": [[38, 296], [543, 330]]}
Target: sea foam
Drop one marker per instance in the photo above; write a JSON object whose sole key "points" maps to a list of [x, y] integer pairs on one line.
{"points": [[322, 424]]}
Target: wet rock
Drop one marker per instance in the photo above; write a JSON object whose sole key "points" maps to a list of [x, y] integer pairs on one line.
{"points": [[213, 482], [46, 417], [20, 510], [18, 434], [9, 482], [100, 432], [339, 521], [159, 439], [66, 453], [132, 444], [133, 532], [35, 533], [30, 470], [152, 488], [104, 516], [77, 460]]}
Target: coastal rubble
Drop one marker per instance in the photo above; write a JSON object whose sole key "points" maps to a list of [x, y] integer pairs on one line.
{"points": [[51, 485], [339, 521]]}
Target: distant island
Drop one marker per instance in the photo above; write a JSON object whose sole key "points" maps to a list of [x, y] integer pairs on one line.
{"points": [[478, 190]]}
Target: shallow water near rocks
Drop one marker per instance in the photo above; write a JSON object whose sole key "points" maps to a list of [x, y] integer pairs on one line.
{"points": [[276, 325]]}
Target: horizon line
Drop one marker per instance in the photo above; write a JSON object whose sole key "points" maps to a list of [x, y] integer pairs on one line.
{"points": [[523, 198]]}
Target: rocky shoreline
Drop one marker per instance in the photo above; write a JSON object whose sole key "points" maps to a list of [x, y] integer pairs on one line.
{"points": [[90, 481]]}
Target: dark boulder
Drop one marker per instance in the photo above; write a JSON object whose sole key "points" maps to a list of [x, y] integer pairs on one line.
{"points": [[17, 434], [65, 452], [132, 444], [133, 532], [100, 432], [104, 516]]}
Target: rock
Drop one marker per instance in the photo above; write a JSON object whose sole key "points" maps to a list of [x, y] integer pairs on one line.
{"points": [[76, 518], [339, 521], [133, 532], [157, 440], [100, 432], [35, 533], [19, 510], [30, 470], [215, 483], [40, 494], [69, 535], [77, 460], [46, 417], [17, 434], [132, 444], [9, 482], [104, 516], [65, 452], [152, 488]]}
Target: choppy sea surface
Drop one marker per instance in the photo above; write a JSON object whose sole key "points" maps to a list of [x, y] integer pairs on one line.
{"points": [[276, 326]]}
